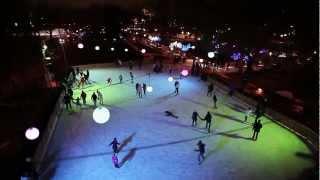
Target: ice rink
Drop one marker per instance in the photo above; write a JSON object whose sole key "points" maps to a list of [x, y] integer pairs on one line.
{"points": [[158, 147]]}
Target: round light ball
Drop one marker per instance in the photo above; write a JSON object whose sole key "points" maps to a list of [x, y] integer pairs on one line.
{"points": [[170, 79], [97, 48], [184, 72], [80, 46], [149, 89], [126, 50], [112, 49], [101, 115], [143, 51], [211, 54], [32, 133], [201, 60]]}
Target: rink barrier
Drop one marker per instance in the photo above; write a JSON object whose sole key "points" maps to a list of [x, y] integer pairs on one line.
{"points": [[295, 127]]}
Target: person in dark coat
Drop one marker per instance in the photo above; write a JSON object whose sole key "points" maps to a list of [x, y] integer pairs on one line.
{"points": [[144, 86], [215, 100], [176, 85], [114, 144], [83, 97], [120, 78], [208, 119], [67, 101], [137, 88], [94, 98], [70, 93], [131, 76], [201, 149], [210, 89], [256, 129], [195, 116]]}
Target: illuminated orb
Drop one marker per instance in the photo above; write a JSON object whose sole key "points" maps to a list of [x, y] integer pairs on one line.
{"points": [[80, 46], [201, 60], [149, 89], [97, 48], [184, 72], [143, 51], [32, 133], [126, 50], [170, 79], [270, 53], [259, 91], [112, 49], [193, 47], [101, 115], [211, 54]]}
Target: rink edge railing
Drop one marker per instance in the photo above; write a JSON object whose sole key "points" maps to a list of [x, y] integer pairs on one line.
{"points": [[299, 129]]}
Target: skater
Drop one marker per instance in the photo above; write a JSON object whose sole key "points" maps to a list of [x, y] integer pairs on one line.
{"points": [[109, 81], [256, 129], [258, 112], [144, 87], [137, 88], [86, 77], [215, 100], [120, 78], [210, 89], [83, 97], [169, 113], [77, 102], [115, 144], [247, 114], [131, 76], [100, 97], [70, 93], [208, 118], [94, 98], [67, 101], [201, 149], [140, 90], [195, 116], [115, 160], [176, 85]]}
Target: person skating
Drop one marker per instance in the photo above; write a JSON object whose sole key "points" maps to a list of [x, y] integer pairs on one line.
{"points": [[77, 102], [144, 87], [100, 97], [215, 100], [94, 98], [70, 93], [247, 114], [176, 85], [67, 101], [131, 76], [140, 90], [256, 129], [120, 78], [208, 119], [201, 149], [195, 116], [137, 89], [114, 144], [210, 89], [83, 97], [115, 160], [109, 81]]}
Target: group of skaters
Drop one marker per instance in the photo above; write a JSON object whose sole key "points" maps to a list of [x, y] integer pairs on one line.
{"points": [[68, 98], [84, 77], [141, 89]]}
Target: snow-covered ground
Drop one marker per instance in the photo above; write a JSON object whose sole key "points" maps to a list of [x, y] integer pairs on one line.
{"points": [[159, 147]]}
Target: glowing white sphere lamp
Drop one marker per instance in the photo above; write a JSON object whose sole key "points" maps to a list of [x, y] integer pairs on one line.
{"points": [[126, 50], [184, 72], [97, 48], [149, 89], [211, 54], [193, 47], [32, 133], [143, 51], [101, 115], [112, 49], [201, 60], [80, 46], [170, 79]]}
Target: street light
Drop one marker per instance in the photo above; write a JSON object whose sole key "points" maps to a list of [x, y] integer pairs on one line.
{"points": [[32, 133], [97, 48], [112, 49], [126, 50], [211, 55], [143, 51], [80, 46]]}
